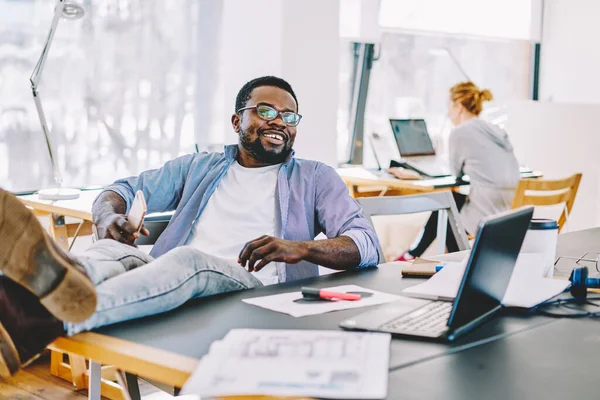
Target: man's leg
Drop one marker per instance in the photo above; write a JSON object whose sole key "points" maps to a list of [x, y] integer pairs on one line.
{"points": [[40, 287], [164, 284], [29, 257], [108, 258]]}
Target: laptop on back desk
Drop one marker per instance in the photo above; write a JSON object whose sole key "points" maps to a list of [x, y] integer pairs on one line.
{"points": [[416, 149]]}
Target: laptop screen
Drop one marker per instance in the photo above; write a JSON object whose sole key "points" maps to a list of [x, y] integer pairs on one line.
{"points": [[490, 265], [412, 137]]}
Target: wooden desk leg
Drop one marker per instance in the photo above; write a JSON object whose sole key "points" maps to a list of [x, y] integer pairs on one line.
{"points": [[56, 358], [78, 369], [76, 234], [58, 231]]}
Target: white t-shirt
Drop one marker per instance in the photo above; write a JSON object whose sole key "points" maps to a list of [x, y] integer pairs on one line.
{"points": [[241, 209]]}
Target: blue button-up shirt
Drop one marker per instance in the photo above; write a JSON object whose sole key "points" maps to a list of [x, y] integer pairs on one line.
{"points": [[310, 198]]}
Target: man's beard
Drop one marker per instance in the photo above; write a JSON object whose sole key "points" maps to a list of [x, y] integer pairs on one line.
{"points": [[259, 153]]}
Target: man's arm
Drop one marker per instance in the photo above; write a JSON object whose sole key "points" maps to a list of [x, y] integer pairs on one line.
{"points": [[108, 212], [352, 241], [162, 189], [339, 253], [339, 215]]}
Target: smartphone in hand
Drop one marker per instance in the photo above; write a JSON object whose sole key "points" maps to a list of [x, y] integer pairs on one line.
{"points": [[137, 212]]}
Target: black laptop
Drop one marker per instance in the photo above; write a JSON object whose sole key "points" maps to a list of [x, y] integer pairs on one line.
{"points": [[484, 283], [416, 149]]}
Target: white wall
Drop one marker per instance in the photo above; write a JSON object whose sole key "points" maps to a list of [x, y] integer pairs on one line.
{"points": [[297, 40], [560, 135], [561, 139], [570, 61]]}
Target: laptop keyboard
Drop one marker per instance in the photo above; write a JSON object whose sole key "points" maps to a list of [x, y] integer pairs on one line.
{"points": [[430, 320], [430, 167]]}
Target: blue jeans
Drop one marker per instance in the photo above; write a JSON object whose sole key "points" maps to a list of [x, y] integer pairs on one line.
{"points": [[131, 284]]}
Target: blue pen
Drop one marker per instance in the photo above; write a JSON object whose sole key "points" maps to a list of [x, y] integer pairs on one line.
{"points": [[438, 268]]}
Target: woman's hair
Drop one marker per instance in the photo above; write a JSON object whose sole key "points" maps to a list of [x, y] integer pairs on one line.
{"points": [[469, 95]]}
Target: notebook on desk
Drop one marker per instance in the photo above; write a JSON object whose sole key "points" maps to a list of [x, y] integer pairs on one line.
{"points": [[484, 283]]}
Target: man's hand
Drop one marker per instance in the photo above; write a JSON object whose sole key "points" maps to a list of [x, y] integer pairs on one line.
{"points": [[116, 226], [268, 249]]}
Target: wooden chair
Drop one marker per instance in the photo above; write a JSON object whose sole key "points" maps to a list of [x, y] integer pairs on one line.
{"points": [[531, 192], [443, 202]]}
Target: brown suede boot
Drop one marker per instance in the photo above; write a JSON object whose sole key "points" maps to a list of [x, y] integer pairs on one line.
{"points": [[26, 327], [29, 257]]}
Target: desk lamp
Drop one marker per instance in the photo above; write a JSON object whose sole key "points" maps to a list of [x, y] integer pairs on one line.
{"points": [[442, 51], [69, 10]]}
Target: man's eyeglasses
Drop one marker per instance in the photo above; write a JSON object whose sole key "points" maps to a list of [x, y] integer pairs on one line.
{"points": [[268, 113]]}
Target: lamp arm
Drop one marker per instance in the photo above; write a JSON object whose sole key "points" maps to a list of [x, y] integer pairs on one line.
{"points": [[35, 80], [46, 131], [39, 66], [455, 61]]}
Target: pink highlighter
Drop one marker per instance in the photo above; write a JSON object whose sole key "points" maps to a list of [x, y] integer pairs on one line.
{"points": [[328, 294]]}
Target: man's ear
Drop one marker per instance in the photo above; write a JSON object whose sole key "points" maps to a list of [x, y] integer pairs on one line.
{"points": [[235, 122]]}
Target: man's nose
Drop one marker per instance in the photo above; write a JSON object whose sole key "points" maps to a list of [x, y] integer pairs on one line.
{"points": [[278, 121]]}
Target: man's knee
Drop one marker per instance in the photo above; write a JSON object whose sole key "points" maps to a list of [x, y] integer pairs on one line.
{"points": [[187, 252], [108, 244], [110, 249], [192, 256]]}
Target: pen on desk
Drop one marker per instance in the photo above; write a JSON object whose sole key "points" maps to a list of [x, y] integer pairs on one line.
{"points": [[328, 294]]}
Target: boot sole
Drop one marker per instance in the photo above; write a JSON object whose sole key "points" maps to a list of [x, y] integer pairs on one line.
{"points": [[9, 357], [29, 257]]}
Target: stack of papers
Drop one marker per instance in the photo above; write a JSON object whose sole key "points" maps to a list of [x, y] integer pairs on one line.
{"points": [[294, 304], [527, 287], [325, 364]]}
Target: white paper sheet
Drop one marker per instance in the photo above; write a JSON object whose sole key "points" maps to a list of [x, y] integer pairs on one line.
{"points": [[325, 364], [441, 286], [527, 288], [457, 256], [294, 305]]}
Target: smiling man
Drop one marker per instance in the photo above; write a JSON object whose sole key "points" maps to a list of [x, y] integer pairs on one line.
{"points": [[243, 218]]}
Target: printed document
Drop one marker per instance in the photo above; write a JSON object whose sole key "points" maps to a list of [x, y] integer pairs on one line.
{"points": [[324, 364]]}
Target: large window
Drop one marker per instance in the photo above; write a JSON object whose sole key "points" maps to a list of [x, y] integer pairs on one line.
{"points": [[414, 72], [121, 88]]}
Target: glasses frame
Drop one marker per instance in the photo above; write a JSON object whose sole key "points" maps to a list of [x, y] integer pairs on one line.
{"points": [[596, 261], [279, 113]]}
